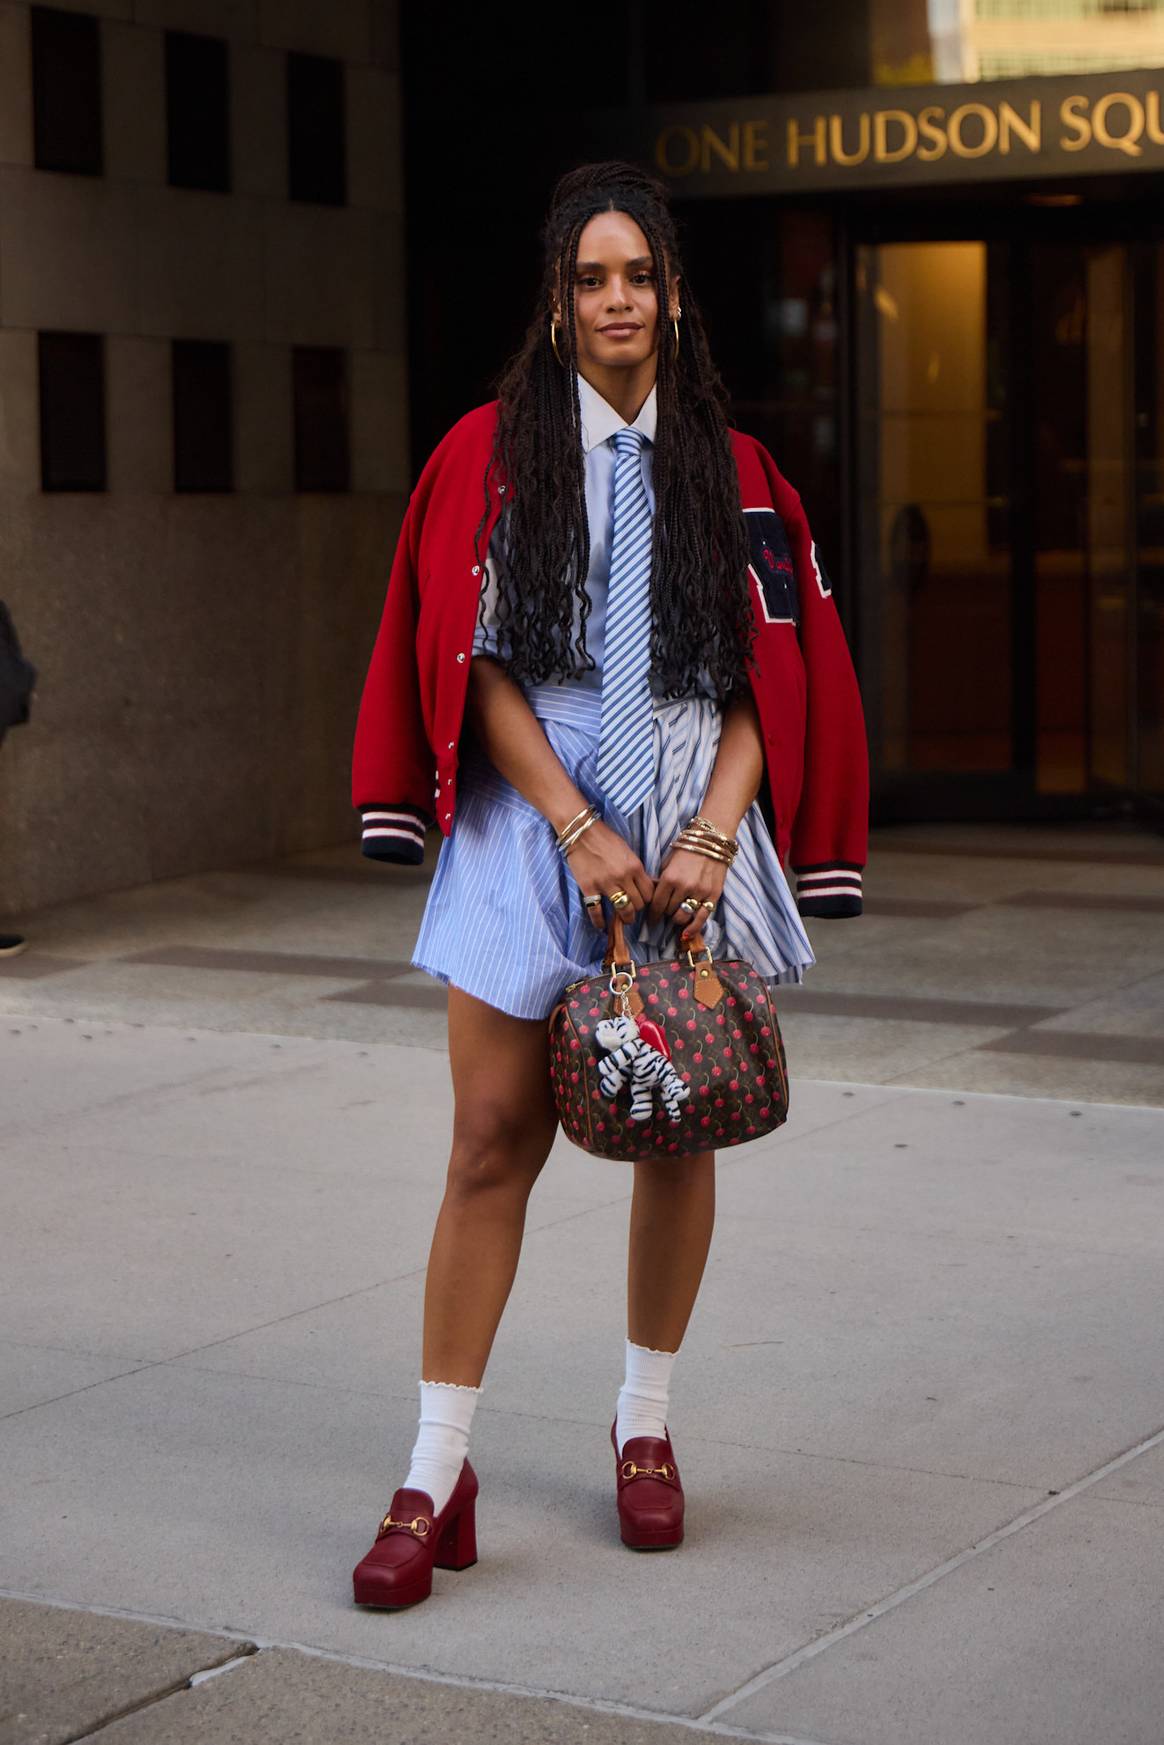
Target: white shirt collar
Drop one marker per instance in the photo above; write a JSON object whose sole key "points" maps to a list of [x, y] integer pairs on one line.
{"points": [[600, 421]]}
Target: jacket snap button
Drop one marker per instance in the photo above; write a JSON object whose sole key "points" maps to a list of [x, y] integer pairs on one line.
{"points": [[452, 743], [501, 490], [476, 569], [461, 659]]}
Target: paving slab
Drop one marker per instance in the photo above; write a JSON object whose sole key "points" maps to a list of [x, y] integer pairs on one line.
{"points": [[32, 1374], [1140, 1481], [974, 957], [67, 1673], [298, 1699], [1051, 1637], [999, 877], [877, 1050], [1000, 1073], [55, 1067], [287, 1172], [103, 993]]}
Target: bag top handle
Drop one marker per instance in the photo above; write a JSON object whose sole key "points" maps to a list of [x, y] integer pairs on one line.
{"points": [[618, 952]]}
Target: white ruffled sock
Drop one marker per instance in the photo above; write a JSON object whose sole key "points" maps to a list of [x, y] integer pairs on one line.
{"points": [[442, 1441], [642, 1399]]}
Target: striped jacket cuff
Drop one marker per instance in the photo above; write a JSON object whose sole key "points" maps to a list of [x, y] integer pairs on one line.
{"points": [[394, 833], [829, 890]]}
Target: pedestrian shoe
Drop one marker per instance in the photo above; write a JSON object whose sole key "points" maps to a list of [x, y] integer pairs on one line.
{"points": [[650, 1496], [411, 1541], [11, 944]]}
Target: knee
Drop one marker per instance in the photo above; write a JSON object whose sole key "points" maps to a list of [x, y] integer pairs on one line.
{"points": [[495, 1149]]}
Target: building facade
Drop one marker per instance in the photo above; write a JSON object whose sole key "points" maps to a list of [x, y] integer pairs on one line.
{"points": [[203, 441], [928, 239]]}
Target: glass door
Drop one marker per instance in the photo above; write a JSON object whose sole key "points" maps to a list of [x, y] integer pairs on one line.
{"points": [[1083, 549], [937, 550], [1148, 510], [1010, 487]]}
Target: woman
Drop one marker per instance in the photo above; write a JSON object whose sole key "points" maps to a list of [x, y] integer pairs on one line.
{"points": [[605, 617]]}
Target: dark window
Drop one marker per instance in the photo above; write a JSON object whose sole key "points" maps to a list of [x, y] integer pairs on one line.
{"points": [[66, 87], [197, 111], [203, 416], [72, 411], [316, 148], [322, 451]]}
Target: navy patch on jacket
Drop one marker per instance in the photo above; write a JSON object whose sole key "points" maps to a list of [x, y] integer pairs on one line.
{"points": [[771, 566]]}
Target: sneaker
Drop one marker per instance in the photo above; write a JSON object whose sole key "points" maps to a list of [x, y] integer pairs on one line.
{"points": [[11, 945]]}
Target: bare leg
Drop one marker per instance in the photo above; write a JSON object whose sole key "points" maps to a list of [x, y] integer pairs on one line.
{"points": [[503, 1128], [672, 1216]]}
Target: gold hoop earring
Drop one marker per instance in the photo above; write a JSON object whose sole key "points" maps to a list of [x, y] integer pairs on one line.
{"points": [[555, 329], [675, 331]]}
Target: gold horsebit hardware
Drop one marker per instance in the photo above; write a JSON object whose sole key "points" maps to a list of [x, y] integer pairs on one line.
{"points": [[419, 1524], [630, 1470]]}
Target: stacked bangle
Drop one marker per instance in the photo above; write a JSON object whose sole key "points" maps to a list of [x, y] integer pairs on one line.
{"points": [[705, 825], [569, 833], [701, 836]]}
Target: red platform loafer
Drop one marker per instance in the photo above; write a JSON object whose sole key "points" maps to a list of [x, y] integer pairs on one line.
{"points": [[411, 1542], [650, 1496]]}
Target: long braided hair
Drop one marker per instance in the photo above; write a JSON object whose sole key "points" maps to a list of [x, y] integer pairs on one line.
{"points": [[701, 610]]}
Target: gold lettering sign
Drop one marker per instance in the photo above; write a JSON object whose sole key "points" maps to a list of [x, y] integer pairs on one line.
{"points": [[1043, 126], [741, 146]]}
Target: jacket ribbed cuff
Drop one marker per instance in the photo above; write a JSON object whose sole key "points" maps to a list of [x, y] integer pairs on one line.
{"points": [[394, 833], [830, 890]]}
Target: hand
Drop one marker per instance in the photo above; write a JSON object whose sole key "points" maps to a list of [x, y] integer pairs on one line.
{"points": [[687, 875], [602, 862]]}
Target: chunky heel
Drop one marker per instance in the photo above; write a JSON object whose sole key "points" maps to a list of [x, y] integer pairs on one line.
{"points": [[457, 1545], [412, 1540]]}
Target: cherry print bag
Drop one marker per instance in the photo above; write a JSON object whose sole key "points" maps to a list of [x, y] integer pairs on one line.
{"points": [[663, 1059]]}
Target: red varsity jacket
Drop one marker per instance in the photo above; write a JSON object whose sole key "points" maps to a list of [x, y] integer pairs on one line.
{"points": [[411, 713]]}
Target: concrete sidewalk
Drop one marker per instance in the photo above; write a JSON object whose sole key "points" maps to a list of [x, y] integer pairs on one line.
{"points": [[919, 1413]]}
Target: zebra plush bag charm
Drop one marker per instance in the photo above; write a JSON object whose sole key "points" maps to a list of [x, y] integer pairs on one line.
{"points": [[663, 1059], [633, 1059]]}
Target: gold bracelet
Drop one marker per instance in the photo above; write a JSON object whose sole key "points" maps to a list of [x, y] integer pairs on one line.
{"points": [[709, 850], [707, 828], [564, 832], [702, 828], [692, 839], [581, 830], [702, 845]]}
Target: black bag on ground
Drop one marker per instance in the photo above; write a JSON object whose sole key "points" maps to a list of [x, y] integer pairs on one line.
{"points": [[17, 676]]}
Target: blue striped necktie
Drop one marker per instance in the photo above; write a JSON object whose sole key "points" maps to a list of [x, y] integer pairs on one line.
{"points": [[626, 748]]}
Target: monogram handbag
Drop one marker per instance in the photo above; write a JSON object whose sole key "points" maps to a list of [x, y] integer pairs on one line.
{"points": [[663, 1059]]}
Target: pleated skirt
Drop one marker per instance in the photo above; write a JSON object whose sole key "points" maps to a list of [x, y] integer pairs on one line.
{"points": [[505, 920]]}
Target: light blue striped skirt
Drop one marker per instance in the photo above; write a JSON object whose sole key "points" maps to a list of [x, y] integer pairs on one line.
{"points": [[505, 919]]}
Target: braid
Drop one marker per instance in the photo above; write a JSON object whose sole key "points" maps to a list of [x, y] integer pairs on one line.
{"points": [[701, 607]]}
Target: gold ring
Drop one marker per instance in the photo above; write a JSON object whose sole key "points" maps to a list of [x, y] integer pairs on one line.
{"points": [[688, 903], [707, 903], [620, 899], [593, 902]]}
